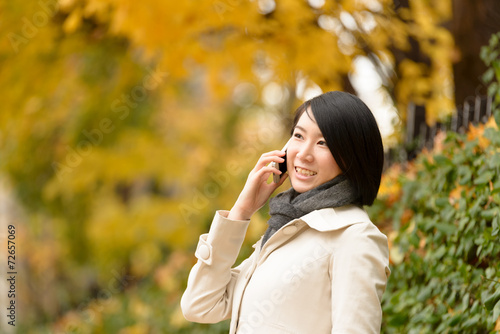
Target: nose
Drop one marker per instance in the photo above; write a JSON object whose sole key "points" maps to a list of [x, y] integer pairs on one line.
{"points": [[305, 153]]}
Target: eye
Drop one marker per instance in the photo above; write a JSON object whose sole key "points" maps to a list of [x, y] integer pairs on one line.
{"points": [[322, 143], [298, 135]]}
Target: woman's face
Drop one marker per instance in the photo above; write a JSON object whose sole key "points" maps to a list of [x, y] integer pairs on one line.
{"points": [[309, 160]]}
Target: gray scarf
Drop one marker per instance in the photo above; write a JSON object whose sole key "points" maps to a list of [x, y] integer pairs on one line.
{"points": [[290, 204]]}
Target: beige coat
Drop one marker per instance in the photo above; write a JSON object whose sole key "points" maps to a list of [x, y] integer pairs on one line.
{"points": [[322, 273]]}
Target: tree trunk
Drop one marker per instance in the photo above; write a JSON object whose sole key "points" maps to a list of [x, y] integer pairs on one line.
{"points": [[474, 21]]}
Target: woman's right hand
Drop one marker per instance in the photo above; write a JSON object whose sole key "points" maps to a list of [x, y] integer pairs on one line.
{"points": [[257, 190]]}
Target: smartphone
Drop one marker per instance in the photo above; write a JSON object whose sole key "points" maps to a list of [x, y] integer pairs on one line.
{"points": [[280, 166]]}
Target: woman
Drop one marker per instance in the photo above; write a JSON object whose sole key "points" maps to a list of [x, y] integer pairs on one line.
{"points": [[321, 266]]}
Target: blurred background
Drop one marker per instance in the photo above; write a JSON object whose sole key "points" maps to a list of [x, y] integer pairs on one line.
{"points": [[125, 125]]}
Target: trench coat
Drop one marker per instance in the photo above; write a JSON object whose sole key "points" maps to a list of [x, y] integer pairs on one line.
{"points": [[324, 272]]}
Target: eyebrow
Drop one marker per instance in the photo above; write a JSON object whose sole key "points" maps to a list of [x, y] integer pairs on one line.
{"points": [[319, 134], [300, 128]]}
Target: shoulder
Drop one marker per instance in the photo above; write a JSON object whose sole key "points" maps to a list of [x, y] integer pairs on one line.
{"points": [[334, 219], [350, 226]]}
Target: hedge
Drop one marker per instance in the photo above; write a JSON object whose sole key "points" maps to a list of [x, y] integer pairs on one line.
{"points": [[445, 249]]}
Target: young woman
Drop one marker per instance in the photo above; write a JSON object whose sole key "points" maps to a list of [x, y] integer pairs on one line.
{"points": [[321, 266]]}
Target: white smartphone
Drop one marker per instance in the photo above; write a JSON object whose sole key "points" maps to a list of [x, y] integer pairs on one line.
{"points": [[280, 166]]}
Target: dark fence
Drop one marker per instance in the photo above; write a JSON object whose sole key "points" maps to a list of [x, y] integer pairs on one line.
{"points": [[419, 134]]}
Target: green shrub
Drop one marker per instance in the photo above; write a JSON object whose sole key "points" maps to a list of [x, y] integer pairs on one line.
{"points": [[444, 209], [490, 54], [445, 248]]}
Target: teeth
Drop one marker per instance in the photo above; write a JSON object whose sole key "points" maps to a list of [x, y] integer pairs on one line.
{"points": [[304, 171]]}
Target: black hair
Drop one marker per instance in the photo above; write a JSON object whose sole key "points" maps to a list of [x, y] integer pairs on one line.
{"points": [[352, 135]]}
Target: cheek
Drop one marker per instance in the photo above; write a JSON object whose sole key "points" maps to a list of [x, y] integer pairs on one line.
{"points": [[289, 159], [331, 165]]}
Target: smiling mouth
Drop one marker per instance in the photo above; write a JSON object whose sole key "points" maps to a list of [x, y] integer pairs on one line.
{"points": [[305, 172]]}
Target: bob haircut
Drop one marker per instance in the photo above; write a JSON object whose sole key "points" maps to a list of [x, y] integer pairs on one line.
{"points": [[353, 137]]}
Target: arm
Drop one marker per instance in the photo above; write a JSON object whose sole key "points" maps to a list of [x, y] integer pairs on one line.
{"points": [[359, 271], [209, 293]]}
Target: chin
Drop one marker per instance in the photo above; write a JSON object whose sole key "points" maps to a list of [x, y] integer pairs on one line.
{"points": [[299, 187]]}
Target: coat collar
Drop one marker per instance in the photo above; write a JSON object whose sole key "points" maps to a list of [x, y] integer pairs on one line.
{"points": [[331, 219], [328, 219]]}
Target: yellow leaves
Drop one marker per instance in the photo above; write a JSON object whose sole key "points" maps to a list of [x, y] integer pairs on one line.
{"points": [[477, 132], [439, 106], [456, 194], [144, 258], [390, 187], [98, 9], [424, 16], [491, 123], [71, 321], [411, 69], [177, 318], [165, 276], [399, 34], [432, 84], [257, 228], [73, 21], [140, 328], [139, 310], [396, 256], [443, 9], [414, 84], [77, 10]]}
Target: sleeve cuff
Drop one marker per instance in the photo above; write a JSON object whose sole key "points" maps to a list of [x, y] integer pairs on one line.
{"points": [[224, 239]]}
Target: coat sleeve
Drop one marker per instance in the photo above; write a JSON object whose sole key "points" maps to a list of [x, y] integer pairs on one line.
{"points": [[209, 292], [359, 270]]}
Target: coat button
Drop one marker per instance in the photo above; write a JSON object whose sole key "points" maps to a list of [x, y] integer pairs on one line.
{"points": [[291, 229], [204, 252]]}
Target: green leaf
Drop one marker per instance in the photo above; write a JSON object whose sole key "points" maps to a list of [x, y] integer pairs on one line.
{"points": [[442, 202], [472, 321], [455, 319], [484, 178], [440, 252], [495, 226], [494, 161], [493, 89], [484, 54], [441, 160], [446, 228], [492, 56], [494, 40], [488, 75], [490, 302], [496, 310], [490, 213]]}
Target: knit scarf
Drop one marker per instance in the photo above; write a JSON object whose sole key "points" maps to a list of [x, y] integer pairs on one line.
{"points": [[290, 204]]}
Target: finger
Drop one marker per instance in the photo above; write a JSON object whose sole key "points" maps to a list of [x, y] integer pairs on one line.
{"points": [[263, 174], [272, 153], [266, 160]]}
